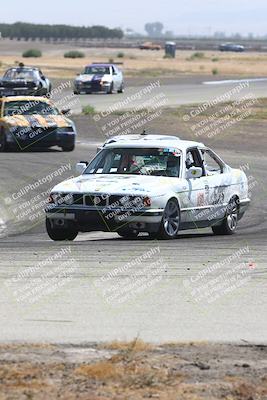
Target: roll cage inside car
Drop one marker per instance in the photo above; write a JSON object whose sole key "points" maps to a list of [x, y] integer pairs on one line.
{"points": [[195, 157]]}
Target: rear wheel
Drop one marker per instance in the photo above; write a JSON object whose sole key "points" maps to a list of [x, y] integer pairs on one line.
{"points": [[170, 222], [229, 223], [57, 234]]}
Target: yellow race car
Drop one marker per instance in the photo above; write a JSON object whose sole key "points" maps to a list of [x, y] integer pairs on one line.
{"points": [[27, 122]]}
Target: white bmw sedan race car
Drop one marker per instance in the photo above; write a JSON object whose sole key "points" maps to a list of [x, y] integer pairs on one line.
{"points": [[149, 183], [105, 78]]}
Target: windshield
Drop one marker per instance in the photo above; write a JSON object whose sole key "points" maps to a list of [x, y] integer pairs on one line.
{"points": [[29, 108], [97, 70], [136, 161], [24, 74]]}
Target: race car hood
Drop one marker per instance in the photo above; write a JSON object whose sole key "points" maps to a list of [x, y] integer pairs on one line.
{"points": [[36, 120], [116, 184], [92, 77]]}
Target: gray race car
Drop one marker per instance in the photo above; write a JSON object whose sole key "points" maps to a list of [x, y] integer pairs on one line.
{"points": [[238, 48], [24, 81]]}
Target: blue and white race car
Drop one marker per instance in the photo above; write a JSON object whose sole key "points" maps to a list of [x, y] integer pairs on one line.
{"points": [[105, 78]]}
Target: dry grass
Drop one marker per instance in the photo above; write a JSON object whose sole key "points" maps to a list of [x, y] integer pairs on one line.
{"points": [[139, 371], [136, 345], [140, 63], [103, 370]]}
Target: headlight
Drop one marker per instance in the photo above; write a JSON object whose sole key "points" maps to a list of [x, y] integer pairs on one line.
{"points": [[54, 198], [68, 199], [147, 201], [105, 82]]}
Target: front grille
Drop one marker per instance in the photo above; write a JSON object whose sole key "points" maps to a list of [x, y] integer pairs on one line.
{"points": [[125, 201], [105, 200], [78, 199], [18, 84], [95, 200], [96, 85]]}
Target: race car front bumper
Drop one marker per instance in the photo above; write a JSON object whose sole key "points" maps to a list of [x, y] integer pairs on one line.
{"points": [[40, 137], [24, 91], [89, 218], [92, 87]]}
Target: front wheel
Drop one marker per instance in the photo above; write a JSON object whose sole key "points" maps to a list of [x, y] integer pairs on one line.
{"points": [[58, 234], [70, 147], [170, 222], [110, 90], [121, 89], [3, 144], [229, 223]]}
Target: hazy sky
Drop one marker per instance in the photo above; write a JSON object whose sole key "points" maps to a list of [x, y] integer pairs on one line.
{"points": [[180, 16]]}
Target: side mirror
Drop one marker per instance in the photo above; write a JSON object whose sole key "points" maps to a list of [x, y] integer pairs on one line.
{"points": [[193, 173], [80, 166], [65, 111]]}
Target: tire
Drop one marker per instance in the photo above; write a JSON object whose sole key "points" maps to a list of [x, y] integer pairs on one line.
{"points": [[170, 223], [128, 233], [121, 89], [110, 91], [229, 223], [3, 144], [59, 234], [40, 91], [68, 148], [76, 92]]}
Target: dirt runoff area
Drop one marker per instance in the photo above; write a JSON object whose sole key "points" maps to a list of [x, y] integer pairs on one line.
{"points": [[133, 371], [134, 62]]}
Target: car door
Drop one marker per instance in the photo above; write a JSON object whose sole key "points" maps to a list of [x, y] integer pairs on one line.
{"points": [[218, 183], [197, 191], [116, 78]]}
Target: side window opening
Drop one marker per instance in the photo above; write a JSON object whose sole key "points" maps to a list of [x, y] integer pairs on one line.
{"points": [[212, 166], [193, 159]]}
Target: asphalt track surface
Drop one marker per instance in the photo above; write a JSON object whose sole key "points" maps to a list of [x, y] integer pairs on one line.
{"points": [[175, 93], [169, 310]]}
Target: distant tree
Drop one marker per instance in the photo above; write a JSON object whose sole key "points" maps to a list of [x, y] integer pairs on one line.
{"points": [[44, 32], [219, 35], [169, 34], [154, 29], [237, 36]]}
